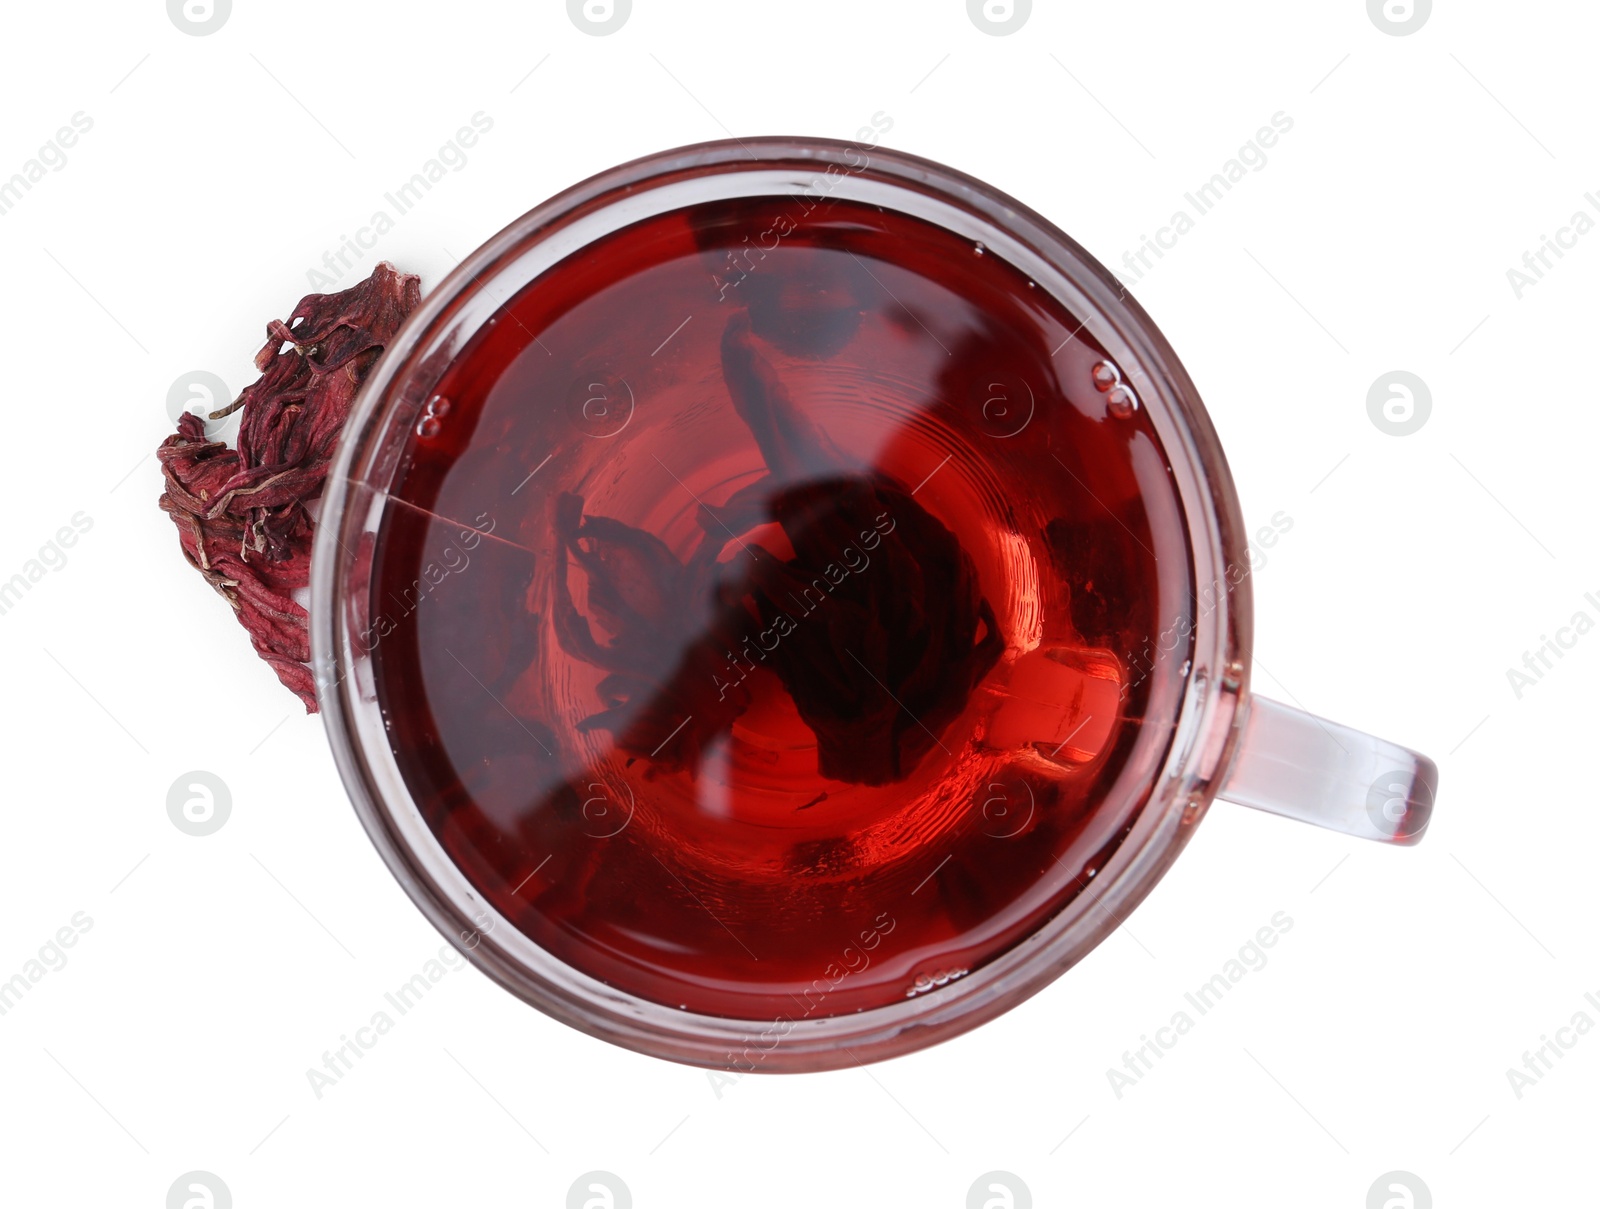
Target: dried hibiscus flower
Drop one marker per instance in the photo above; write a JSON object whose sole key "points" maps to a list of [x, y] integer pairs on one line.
{"points": [[888, 660], [241, 513]]}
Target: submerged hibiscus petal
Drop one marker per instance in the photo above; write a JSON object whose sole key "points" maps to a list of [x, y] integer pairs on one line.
{"points": [[875, 626]]}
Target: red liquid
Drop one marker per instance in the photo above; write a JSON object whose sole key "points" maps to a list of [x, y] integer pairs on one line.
{"points": [[769, 611]]}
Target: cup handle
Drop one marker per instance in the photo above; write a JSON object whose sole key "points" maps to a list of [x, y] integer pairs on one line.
{"points": [[1295, 764]]}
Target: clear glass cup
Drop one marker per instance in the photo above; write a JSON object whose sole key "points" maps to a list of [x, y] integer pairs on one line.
{"points": [[1223, 741]]}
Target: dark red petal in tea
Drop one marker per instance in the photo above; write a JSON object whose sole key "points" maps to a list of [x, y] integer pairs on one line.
{"points": [[890, 658], [660, 705], [895, 655], [241, 513], [894, 650]]}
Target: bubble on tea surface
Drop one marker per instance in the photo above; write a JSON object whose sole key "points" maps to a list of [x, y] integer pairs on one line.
{"points": [[1121, 402], [431, 423]]}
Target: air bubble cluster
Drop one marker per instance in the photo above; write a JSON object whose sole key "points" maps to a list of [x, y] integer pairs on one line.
{"points": [[432, 418], [926, 982], [1121, 401]]}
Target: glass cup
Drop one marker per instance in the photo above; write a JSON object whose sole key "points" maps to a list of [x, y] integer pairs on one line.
{"points": [[1221, 740]]}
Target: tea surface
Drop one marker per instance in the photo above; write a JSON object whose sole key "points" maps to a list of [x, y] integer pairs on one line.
{"points": [[767, 608]]}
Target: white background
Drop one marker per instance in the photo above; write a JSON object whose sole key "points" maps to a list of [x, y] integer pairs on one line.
{"points": [[1418, 570]]}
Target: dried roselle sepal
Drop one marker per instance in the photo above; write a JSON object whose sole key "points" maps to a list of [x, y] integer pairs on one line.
{"points": [[894, 655], [877, 664], [661, 655], [241, 513]]}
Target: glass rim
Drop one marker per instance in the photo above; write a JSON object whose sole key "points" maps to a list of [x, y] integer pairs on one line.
{"points": [[1199, 743]]}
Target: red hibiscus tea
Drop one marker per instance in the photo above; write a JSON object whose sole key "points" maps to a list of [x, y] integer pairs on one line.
{"points": [[769, 603]]}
